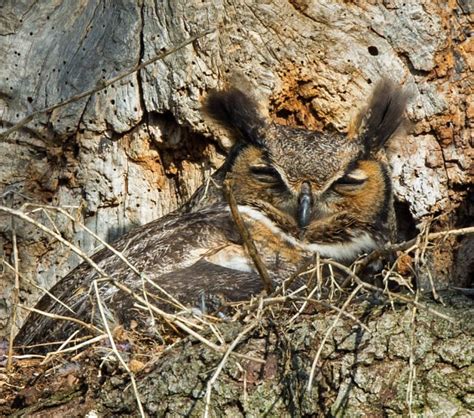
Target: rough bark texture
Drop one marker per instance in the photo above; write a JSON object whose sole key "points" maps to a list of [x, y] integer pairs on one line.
{"points": [[138, 149], [359, 374]]}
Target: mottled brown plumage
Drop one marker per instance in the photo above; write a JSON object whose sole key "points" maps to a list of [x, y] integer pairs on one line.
{"points": [[298, 192]]}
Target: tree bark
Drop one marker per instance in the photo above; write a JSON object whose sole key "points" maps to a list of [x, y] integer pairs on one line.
{"points": [[137, 149], [402, 362]]}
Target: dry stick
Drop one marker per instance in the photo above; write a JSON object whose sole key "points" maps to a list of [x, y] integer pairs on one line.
{"points": [[86, 337], [76, 347], [412, 368], [248, 242], [114, 349], [343, 313], [16, 293], [319, 277], [301, 270], [420, 260], [179, 323], [391, 274], [373, 288], [119, 254], [80, 253], [103, 84], [216, 374], [328, 332], [283, 299], [27, 356], [50, 355], [174, 317], [305, 303], [216, 332], [407, 246], [42, 289], [47, 215], [90, 327]]}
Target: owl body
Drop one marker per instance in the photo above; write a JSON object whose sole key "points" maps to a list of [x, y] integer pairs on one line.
{"points": [[298, 192]]}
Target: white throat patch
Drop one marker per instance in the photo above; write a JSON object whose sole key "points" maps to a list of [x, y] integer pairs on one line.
{"points": [[346, 251]]}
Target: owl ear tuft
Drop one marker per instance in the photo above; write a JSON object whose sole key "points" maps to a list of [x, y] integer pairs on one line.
{"points": [[383, 116], [238, 113]]}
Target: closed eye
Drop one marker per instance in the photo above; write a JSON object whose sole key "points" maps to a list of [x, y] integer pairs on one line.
{"points": [[267, 174], [349, 181], [264, 170]]}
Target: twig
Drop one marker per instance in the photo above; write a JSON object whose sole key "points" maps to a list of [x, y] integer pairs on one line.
{"points": [[28, 356], [326, 335], [292, 297], [411, 363], [119, 254], [216, 332], [79, 252], [90, 327], [86, 337], [103, 84], [83, 344], [305, 303], [16, 293], [300, 271], [410, 245], [229, 350], [50, 355], [49, 218], [406, 246], [248, 242], [114, 348], [420, 254], [344, 313], [42, 289], [376, 289]]}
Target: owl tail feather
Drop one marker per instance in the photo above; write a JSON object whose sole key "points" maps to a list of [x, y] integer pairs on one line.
{"points": [[384, 115], [236, 111]]}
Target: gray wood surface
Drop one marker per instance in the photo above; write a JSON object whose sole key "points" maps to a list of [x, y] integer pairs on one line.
{"points": [[138, 149]]}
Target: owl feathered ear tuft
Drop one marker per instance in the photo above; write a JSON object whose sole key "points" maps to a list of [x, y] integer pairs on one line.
{"points": [[237, 112], [383, 116]]}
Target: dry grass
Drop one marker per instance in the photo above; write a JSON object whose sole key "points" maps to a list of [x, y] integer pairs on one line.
{"points": [[249, 313]]}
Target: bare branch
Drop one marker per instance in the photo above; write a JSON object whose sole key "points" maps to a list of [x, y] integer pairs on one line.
{"points": [[102, 85], [248, 242]]}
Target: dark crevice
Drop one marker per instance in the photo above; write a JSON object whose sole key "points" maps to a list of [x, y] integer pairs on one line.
{"points": [[406, 225], [463, 273], [84, 109], [413, 71], [141, 58], [178, 143]]}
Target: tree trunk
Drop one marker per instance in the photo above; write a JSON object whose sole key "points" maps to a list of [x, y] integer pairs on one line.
{"points": [[401, 362], [137, 149]]}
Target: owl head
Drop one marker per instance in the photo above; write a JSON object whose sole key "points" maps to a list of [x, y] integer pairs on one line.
{"points": [[321, 187]]}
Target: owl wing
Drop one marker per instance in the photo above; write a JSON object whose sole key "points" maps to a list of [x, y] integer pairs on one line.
{"points": [[171, 252]]}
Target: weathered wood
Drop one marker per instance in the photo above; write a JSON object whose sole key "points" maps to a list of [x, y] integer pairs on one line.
{"points": [[138, 149], [360, 372], [135, 151]]}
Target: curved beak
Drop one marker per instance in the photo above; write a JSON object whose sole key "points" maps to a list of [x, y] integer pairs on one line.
{"points": [[305, 202]]}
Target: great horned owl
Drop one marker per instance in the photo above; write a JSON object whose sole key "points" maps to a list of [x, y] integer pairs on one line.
{"points": [[299, 192]]}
